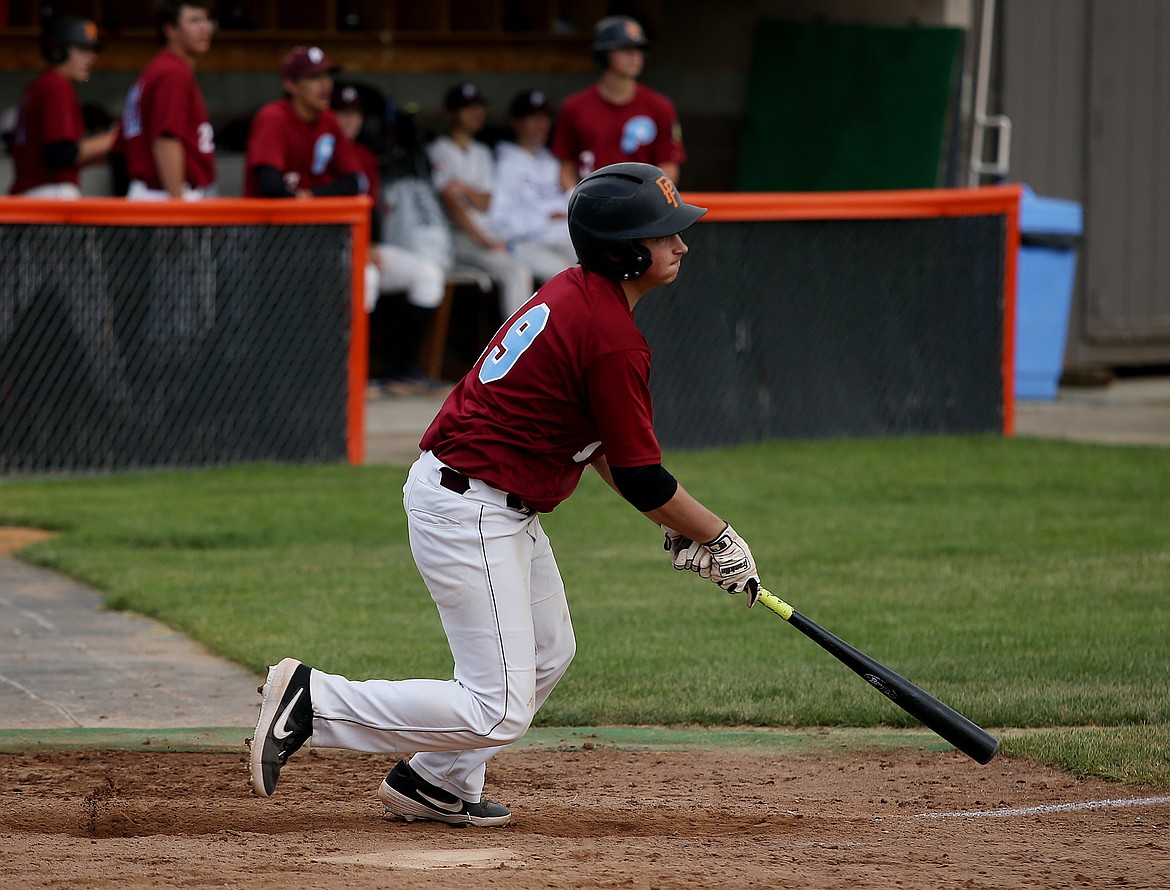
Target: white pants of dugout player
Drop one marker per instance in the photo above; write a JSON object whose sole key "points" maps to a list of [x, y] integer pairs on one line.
{"points": [[513, 277], [421, 278], [492, 574]]}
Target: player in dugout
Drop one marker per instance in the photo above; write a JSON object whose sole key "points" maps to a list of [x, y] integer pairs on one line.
{"points": [[617, 119], [295, 145], [392, 268], [167, 135], [563, 385], [49, 143]]}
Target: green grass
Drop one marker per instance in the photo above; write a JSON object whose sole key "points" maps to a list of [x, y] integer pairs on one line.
{"points": [[1026, 583]]}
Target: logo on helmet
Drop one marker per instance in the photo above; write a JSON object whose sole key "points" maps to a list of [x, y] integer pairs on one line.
{"points": [[668, 190]]}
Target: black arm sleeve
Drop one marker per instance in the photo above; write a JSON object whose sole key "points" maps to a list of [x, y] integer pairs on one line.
{"points": [[270, 181], [647, 488], [61, 154], [350, 184]]}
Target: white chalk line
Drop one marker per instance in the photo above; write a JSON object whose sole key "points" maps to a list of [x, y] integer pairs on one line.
{"points": [[61, 709], [1053, 808]]}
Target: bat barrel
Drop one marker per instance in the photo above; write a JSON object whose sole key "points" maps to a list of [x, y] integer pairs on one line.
{"points": [[972, 740]]}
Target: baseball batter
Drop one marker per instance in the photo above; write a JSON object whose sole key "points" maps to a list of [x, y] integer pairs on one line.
{"points": [[617, 119], [563, 385], [168, 138]]}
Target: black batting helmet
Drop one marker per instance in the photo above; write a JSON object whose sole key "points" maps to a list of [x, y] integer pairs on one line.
{"points": [[66, 31], [611, 209], [616, 32]]}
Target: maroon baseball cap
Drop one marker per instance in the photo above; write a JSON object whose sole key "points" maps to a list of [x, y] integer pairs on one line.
{"points": [[462, 96], [530, 102], [306, 61], [347, 97]]}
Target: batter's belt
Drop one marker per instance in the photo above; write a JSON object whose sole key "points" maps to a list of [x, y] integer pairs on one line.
{"points": [[453, 480]]}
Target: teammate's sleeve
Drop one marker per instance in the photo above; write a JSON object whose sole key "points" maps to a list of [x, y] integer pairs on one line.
{"points": [[486, 172], [564, 144], [61, 118], [346, 159], [343, 186], [442, 169], [265, 147], [171, 107], [270, 183], [506, 208], [61, 155], [668, 146]]}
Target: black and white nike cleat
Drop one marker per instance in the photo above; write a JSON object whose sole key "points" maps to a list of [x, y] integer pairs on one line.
{"points": [[285, 723], [407, 795]]}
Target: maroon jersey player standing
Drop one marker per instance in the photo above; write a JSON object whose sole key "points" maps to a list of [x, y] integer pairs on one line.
{"points": [[168, 139], [49, 145], [617, 119], [563, 385]]}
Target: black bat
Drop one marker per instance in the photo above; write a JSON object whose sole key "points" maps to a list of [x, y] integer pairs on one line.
{"points": [[976, 743]]}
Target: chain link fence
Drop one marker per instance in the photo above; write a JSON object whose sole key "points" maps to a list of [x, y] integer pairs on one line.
{"points": [[815, 329], [137, 346]]}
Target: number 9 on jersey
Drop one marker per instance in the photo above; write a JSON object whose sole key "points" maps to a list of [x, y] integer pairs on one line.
{"points": [[519, 337]]}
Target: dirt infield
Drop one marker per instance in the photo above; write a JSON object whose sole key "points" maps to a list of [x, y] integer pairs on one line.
{"points": [[12, 538], [587, 818]]}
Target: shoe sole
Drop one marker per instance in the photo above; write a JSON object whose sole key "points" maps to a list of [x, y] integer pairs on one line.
{"points": [[405, 808], [273, 691]]}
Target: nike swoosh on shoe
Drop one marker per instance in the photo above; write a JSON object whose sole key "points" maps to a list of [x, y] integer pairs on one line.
{"points": [[445, 806], [280, 728]]}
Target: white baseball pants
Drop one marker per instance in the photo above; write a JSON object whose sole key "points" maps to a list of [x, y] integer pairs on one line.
{"points": [[514, 279], [57, 190], [545, 260], [140, 191], [400, 270], [491, 572]]}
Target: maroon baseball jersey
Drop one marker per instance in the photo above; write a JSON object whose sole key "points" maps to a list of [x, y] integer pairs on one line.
{"points": [[565, 379], [166, 101], [369, 165], [594, 133], [49, 112], [307, 154]]}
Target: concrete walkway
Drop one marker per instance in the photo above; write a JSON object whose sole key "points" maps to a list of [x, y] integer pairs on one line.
{"points": [[65, 662], [1127, 411], [1133, 411]]}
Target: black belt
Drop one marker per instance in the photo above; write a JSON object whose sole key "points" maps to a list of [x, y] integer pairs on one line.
{"points": [[453, 480]]}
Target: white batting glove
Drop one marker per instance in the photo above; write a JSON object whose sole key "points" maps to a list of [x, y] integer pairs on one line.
{"points": [[734, 568], [674, 540], [687, 555], [695, 557]]}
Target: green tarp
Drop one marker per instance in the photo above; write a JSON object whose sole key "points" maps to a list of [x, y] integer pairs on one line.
{"points": [[848, 107]]}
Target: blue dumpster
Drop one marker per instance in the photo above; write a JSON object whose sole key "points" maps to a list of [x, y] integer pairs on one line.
{"points": [[1050, 233]]}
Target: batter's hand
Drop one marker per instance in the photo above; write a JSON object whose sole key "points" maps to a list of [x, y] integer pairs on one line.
{"points": [[687, 555], [734, 568], [674, 541]]}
